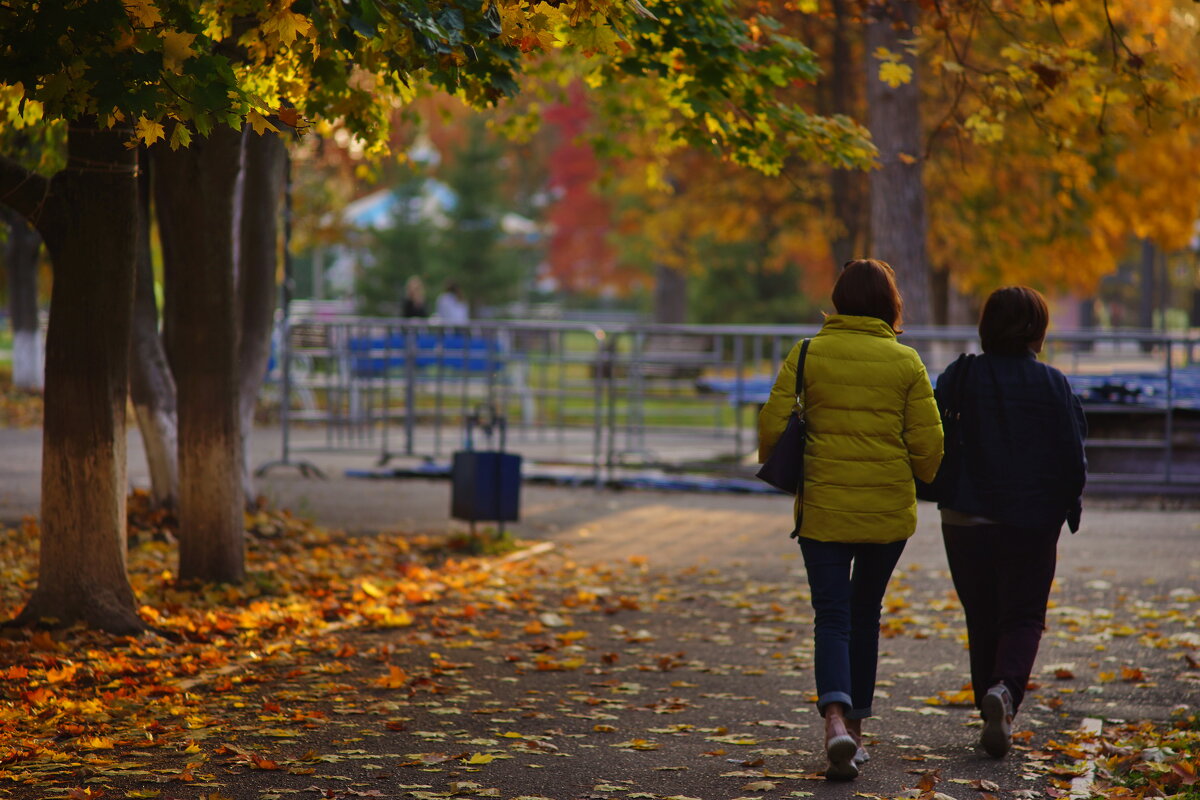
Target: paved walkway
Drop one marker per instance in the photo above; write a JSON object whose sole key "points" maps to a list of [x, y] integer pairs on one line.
{"points": [[733, 606]]}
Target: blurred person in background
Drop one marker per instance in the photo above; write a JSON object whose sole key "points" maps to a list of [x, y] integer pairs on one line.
{"points": [[414, 298], [451, 306]]}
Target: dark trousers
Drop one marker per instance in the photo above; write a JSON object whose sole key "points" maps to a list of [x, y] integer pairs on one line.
{"points": [[847, 582], [1003, 576]]}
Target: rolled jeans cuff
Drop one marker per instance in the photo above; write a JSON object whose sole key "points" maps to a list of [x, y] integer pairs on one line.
{"points": [[860, 713], [834, 697]]}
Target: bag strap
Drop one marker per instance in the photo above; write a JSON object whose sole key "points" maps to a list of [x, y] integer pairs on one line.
{"points": [[800, 369], [960, 379]]}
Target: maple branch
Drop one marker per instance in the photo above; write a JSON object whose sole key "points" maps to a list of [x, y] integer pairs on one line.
{"points": [[961, 83], [961, 56], [1000, 22], [1051, 131], [1058, 30], [23, 190], [1115, 37]]}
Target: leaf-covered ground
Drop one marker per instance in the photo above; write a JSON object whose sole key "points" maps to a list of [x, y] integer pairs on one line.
{"points": [[19, 409], [387, 666]]}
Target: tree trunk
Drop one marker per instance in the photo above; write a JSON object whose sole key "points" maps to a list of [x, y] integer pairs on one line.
{"points": [[1148, 288], [194, 194], [1148, 285], [898, 226], [847, 190], [258, 259], [670, 295], [88, 219], [22, 262], [961, 309], [152, 387]]}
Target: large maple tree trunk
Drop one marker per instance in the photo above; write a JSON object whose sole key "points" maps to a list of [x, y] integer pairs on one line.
{"points": [[21, 260], [847, 187], [670, 295], [194, 194], [151, 385], [87, 215], [258, 259], [898, 223]]}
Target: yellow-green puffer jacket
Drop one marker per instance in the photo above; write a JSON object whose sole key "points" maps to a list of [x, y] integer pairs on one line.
{"points": [[872, 425]]}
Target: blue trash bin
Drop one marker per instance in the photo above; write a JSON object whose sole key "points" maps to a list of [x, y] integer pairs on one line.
{"points": [[485, 484]]}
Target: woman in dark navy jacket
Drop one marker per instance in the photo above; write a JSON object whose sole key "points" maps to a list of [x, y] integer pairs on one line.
{"points": [[1013, 474]]}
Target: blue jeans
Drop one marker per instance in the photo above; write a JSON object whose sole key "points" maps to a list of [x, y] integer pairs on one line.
{"points": [[847, 582]]}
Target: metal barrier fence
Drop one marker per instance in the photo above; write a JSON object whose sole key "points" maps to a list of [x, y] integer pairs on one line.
{"points": [[667, 395]]}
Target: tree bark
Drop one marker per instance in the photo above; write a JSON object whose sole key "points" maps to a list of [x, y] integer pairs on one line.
{"points": [[152, 386], [670, 295], [1148, 285], [87, 215], [898, 222], [258, 260], [22, 262], [847, 187], [194, 194]]}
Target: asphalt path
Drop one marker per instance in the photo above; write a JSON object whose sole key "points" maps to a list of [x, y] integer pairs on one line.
{"points": [[702, 687]]}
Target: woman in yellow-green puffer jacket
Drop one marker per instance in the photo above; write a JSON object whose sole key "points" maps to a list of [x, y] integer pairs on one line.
{"points": [[872, 426]]}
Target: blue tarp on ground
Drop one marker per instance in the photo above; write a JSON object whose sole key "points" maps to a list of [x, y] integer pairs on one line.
{"points": [[650, 481], [1145, 389]]}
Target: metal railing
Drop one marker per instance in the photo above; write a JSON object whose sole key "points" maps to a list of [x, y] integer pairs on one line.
{"points": [[604, 397]]}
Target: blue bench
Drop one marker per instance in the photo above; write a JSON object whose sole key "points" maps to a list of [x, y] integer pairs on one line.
{"points": [[376, 356], [754, 389], [1146, 389]]}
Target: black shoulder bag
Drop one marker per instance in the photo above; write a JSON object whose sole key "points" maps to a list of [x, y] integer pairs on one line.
{"points": [[784, 468]]}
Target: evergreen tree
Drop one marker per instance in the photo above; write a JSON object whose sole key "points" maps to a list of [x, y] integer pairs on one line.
{"points": [[466, 243], [472, 249], [398, 251]]}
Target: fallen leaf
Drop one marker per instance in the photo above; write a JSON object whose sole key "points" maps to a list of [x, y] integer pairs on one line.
{"points": [[760, 786]]}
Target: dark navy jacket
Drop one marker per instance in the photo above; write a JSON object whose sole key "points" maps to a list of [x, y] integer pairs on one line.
{"points": [[1021, 459]]}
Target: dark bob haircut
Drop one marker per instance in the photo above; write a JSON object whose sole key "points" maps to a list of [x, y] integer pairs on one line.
{"points": [[1014, 321], [867, 288]]}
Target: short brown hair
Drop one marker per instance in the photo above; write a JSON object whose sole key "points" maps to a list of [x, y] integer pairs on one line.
{"points": [[1014, 319], [867, 288]]}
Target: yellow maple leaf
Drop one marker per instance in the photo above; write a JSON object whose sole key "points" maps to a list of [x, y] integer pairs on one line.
{"points": [[479, 758], [895, 74], [287, 25], [149, 130], [591, 37], [391, 619], [180, 136], [143, 12], [96, 743], [177, 48]]}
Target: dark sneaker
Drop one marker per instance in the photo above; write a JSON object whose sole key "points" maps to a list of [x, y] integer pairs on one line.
{"points": [[997, 712], [840, 750]]}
